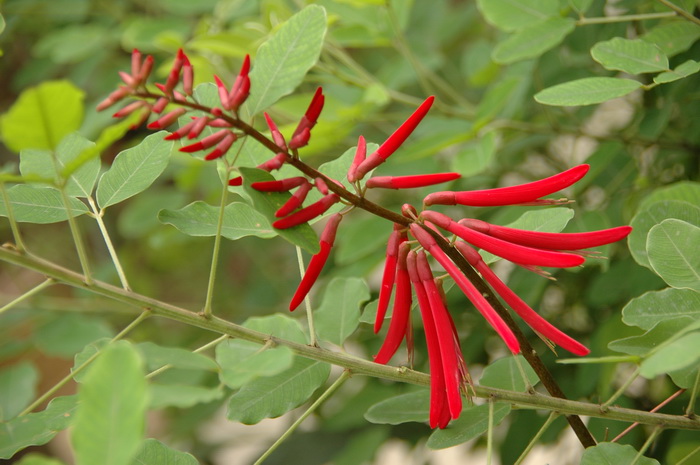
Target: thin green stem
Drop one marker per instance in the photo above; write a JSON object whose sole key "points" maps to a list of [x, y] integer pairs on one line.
{"points": [[528, 386], [77, 238], [307, 301], [647, 443], [215, 254], [552, 416], [621, 390], [322, 398], [98, 214], [27, 294], [680, 11], [489, 434], [623, 18], [19, 243], [358, 366], [690, 411], [688, 457], [48, 394], [206, 346]]}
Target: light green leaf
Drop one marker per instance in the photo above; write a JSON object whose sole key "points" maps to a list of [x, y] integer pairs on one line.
{"points": [[534, 40], [35, 429], [17, 388], [38, 459], [630, 56], [158, 356], [42, 116], [84, 355], [475, 157], [109, 422], [404, 408], [276, 395], [283, 60], [39, 205], [201, 219], [242, 362], [642, 345], [551, 220], [268, 203], [581, 6], [681, 71], [673, 253], [182, 395], [505, 374], [278, 325], [511, 15], [586, 91], [611, 453], [472, 423], [686, 191], [154, 452], [339, 313], [673, 37], [681, 353], [652, 215], [134, 170], [654, 307]]}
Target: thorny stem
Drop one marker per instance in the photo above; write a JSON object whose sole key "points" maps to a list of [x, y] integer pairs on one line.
{"points": [[552, 416], [322, 398], [680, 11], [27, 294], [621, 390], [690, 411], [215, 254], [206, 346], [529, 353], [19, 243], [307, 301], [358, 366], [624, 18], [655, 409], [98, 214], [44, 397]]}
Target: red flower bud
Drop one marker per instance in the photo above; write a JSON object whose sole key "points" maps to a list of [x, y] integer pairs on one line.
{"points": [[295, 200], [360, 155], [282, 185], [307, 213], [277, 136], [165, 121], [407, 182], [303, 131], [396, 238], [206, 142], [222, 147]]}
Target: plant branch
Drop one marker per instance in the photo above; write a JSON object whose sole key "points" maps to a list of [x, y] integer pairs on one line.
{"points": [[98, 214], [215, 253], [356, 365], [655, 409], [27, 294], [552, 416], [680, 11], [77, 238], [624, 18]]}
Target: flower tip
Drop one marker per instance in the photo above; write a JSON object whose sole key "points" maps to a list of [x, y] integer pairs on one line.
{"points": [[237, 181]]}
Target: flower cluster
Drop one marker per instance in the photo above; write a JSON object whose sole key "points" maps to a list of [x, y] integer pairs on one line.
{"points": [[407, 270]]}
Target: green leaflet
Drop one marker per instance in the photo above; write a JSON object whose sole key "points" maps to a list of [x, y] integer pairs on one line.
{"points": [[586, 91]]}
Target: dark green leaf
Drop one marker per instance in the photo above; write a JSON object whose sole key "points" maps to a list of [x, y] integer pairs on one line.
{"points": [[505, 374], [66, 335], [339, 313], [411, 407], [611, 453], [17, 388], [473, 422]]}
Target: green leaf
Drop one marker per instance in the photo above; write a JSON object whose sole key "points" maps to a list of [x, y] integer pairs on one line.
{"points": [[154, 452], [511, 15], [656, 306], [404, 408], [134, 170], [681, 71], [109, 422], [38, 459], [472, 423], [505, 374], [339, 313], [685, 191], [586, 91], [534, 40], [276, 395], [673, 37], [67, 334], [652, 215], [35, 429], [17, 388], [681, 353], [630, 56], [475, 157], [38, 205], [42, 116], [642, 345], [611, 453], [581, 6], [84, 355], [182, 395], [158, 356], [278, 325], [268, 203], [283, 60], [673, 253], [552, 220], [201, 219]]}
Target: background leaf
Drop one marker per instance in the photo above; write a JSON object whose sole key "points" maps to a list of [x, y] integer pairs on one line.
{"points": [[654, 307], [154, 452], [17, 388], [533, 41], [672, 246], [32, 204], [505, 374], [611, 453], [473, 422], [413, 406], [681, 353], [679, 72], [511, 15], [630, 56], [586, 91], [339, 313]]}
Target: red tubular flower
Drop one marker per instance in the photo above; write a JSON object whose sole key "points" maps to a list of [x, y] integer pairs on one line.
{"points": [[439, 408], [408, 182], [513, 195], [531, 317], [174, 75], [295, 200], [513, 252], [360, 155], [396, 238], [167, 119], [135, 62], [113, 98], [321, 186], [187, 76], [222, 147], [481, 304], [273, 163], [402, 309], [206, 142], [145, 70], [317, 261], [277, 136], [544, 240], [180, 133], [199, 124], [308, 213], [282, 185], [129, 109], [303, 131], [241, 87], [237, 181], [394, 141]]}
